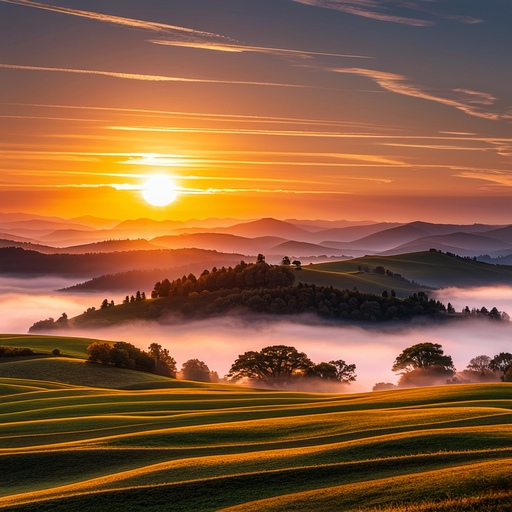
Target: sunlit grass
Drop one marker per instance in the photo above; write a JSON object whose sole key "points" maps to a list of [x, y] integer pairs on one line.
{"points": [[206, 447]]}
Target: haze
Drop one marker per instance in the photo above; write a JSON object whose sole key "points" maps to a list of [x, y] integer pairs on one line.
{"points": [[219, 342]]}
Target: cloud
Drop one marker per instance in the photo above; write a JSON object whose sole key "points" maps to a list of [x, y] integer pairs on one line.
{"points": [[152, 26], [374, 9], [147, 78], [500, 179], [209, 116], [470, 102], [239, 48], [380, 10]]}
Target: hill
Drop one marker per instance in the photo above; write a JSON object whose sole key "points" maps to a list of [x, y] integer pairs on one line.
{"points": [[238, 449], [26, 262], [429, 268]]}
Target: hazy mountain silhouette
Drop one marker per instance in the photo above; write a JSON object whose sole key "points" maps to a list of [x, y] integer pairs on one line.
{"points": [[267, 227], [300, 249], [463, 244], [223, 242]]}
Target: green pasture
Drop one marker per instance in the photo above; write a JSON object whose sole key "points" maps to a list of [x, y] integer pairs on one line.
{"points": [[431, 269], [69, 346], [217, 447]]}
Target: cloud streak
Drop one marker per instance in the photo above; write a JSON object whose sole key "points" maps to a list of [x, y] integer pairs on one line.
{"points": [[470, 102], [239, 48], [380, 10], [374, 9], [146, 77], [119, 20]]}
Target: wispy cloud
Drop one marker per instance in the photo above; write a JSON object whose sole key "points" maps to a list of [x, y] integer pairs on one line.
{"points": [[239, 48], [246, 118], [146, 78], [152, 26], [471, 102], [381, 10], [497, 179], [374, 9]]}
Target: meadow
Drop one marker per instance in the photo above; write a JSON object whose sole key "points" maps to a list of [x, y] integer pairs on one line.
{"points": [[129, 441]]}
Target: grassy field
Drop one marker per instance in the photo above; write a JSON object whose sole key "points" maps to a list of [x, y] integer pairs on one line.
{"points": [[181, 446], [431, 269]]}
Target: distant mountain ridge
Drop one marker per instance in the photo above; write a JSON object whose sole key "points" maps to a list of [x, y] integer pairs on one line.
{"points": [[277, 238]]}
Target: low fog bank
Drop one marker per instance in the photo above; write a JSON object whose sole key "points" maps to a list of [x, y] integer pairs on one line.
{"points": [[488, 296], [25, 301], [218, 342]]}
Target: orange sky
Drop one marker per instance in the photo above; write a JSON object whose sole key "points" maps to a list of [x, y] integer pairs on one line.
{"points": [[273, 109]]}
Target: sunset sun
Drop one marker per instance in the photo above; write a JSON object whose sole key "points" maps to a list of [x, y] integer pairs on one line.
{"points": [[159, 190]]}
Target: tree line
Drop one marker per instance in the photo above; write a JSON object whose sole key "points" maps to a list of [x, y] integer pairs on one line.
{"points": [[425, 364], [155, 360]]}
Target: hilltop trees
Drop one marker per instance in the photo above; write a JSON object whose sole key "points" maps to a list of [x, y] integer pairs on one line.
{"points": [[281, 365], [423, 364], [242, 277]]}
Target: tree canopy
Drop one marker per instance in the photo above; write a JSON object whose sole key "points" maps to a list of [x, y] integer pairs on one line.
{"points": [[423, 364], [422, 356], [197, 370], [278, 365]]}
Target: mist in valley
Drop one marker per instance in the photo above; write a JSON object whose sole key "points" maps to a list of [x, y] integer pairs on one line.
{"points": [[218, 342]]}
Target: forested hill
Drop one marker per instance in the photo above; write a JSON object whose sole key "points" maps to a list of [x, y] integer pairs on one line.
{"points": [[14, 260], [261, 288]]}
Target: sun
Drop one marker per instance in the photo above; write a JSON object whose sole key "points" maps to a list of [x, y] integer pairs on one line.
{"points": [[159, 190]]}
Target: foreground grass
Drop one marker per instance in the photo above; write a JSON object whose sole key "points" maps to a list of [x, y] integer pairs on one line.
{"points": [[212, 447]]}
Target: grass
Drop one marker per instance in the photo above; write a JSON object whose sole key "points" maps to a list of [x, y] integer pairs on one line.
{"points": [[69, 346], [217, 447], [431, 269], [80, 436]]}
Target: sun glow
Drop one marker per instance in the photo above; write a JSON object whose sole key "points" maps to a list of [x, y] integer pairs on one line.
{"points": [[159, 190]]}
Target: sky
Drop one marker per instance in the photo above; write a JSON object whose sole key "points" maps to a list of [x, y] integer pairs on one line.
{"points": [[390, 110]]}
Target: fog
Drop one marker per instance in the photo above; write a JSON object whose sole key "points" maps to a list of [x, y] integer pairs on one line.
{"points": [[218, 342]]}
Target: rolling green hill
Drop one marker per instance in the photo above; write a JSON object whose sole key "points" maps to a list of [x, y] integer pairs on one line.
{"points": [[429, 268], [121, 440], [239, 449]]}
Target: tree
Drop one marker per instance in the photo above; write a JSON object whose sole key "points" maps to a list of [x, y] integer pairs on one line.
{"points": [[260, 258], [165, 364], [383, 386], [285, 261], [344, 372], [501, 363], [422, 356], [423, 364], [99, 352], [104, 304], [274, 365], [297, 264], [480, 364], [193, 369]]}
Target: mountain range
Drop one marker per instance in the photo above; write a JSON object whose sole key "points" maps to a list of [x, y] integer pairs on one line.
{"points": [[275, 238]]}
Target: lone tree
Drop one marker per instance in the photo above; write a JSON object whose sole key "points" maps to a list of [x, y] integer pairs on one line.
{"points": [[423, 364], [193, 369], [274, 365]]}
